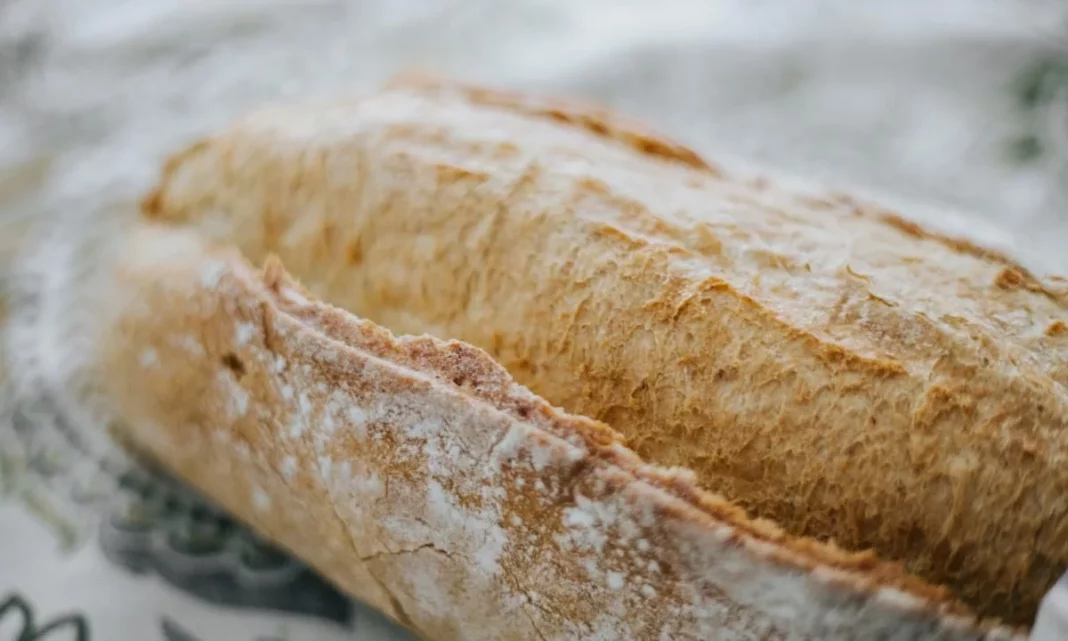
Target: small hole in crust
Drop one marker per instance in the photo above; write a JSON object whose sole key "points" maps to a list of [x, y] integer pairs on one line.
{"points": [[234, 364]]}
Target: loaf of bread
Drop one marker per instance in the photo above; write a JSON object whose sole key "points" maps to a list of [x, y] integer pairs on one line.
{"points": [[823, 362], [417, 476]]}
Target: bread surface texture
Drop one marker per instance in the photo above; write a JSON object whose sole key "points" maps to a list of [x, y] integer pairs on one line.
{"points": [[823, 362], [416, 475]]}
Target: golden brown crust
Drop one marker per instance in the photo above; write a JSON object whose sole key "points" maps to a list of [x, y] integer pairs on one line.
{"points": [[824, 364], [415, 474], [602, 122], [591, 118]]}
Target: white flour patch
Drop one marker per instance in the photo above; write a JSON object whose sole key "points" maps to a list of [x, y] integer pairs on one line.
{"points": [[240, 398], [188, 343], [211, 272], [368, 483], [237, 395], [325, 465], [149, 357], [244, 333], [260, 499], [289, 468]]}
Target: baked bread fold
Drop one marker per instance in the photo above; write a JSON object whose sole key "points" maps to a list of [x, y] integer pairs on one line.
{"points": [[823, 362], [416, 475]]}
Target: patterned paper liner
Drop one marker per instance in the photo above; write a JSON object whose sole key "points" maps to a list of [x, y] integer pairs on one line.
{"points": [[144, 522]]}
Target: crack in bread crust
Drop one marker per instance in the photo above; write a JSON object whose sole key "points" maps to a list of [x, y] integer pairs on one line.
{"points": [[504, 517]]}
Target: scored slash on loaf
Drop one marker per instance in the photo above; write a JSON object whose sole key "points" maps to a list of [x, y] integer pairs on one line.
{"points": [[420, 478]]}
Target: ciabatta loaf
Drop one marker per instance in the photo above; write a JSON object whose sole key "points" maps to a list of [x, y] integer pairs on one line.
{"points": [[421, 479], [825, 363]]}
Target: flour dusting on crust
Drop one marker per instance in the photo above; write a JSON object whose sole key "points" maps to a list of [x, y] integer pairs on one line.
{"points": [[421, 479]]}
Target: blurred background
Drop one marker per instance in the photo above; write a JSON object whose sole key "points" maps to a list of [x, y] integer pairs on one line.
{"points": [[960, 104], [958, 107]]}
